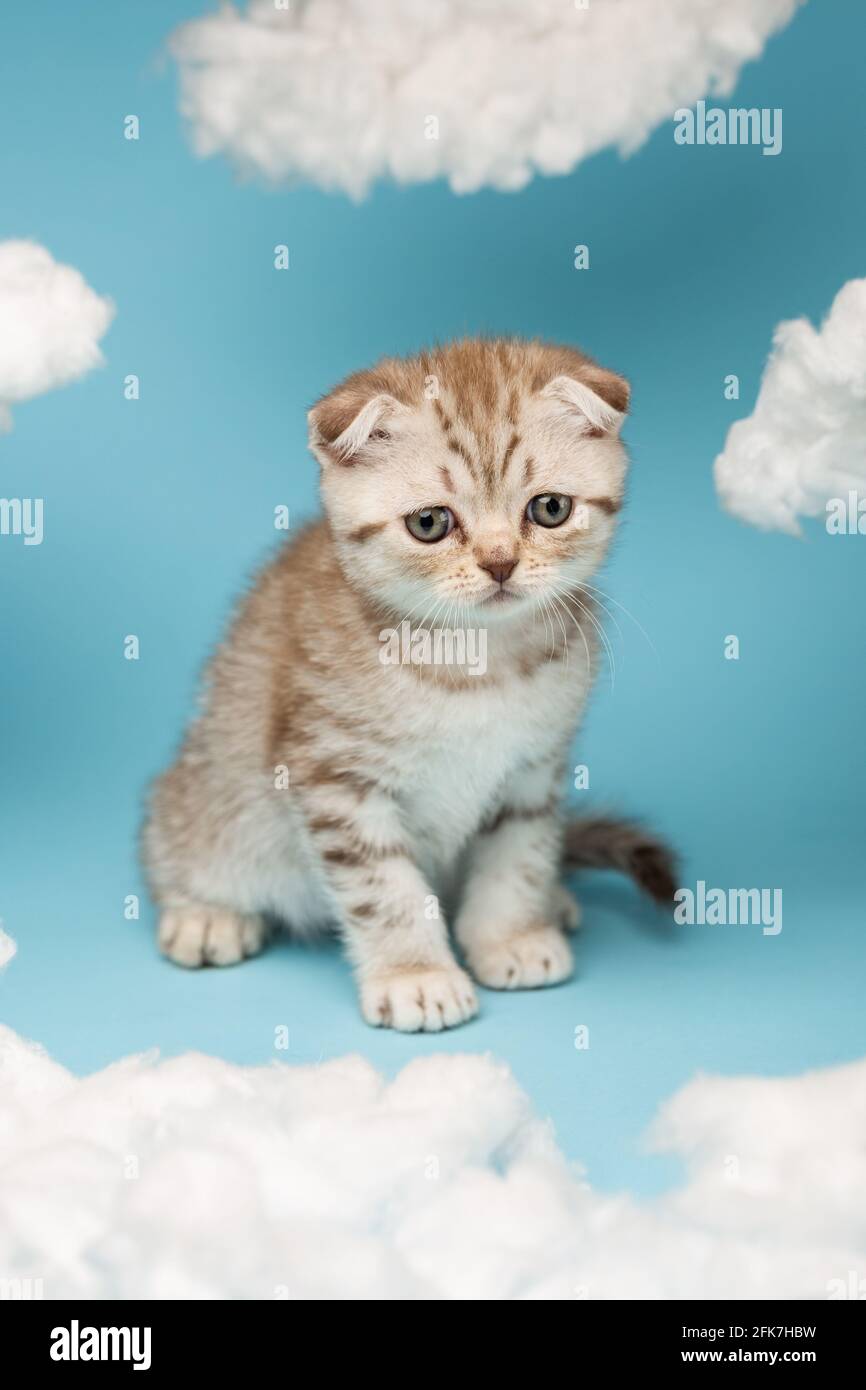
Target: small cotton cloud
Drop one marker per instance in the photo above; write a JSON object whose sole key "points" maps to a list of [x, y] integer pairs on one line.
{"points": [[50, 324], [481, 92], [805, 441], [8, 947], [194, 1178]]}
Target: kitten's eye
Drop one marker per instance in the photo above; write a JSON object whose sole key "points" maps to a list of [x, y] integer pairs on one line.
{"points": [[430, 524], [549, 509]]}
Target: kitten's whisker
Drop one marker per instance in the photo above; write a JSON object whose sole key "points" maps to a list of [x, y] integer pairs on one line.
{"points": [[553, 613], [429, 619], [621, 606], [452, 608], [571, 597], [445, 625], [572, 616], [608, 614], [546, 615], [555, 606], [432, 607], [605, 640]]}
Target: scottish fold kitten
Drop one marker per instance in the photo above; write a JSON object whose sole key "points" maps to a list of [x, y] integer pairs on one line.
{"points": [[386, 728]]}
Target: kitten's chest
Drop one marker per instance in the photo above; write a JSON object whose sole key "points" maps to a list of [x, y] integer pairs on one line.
{"points": [[463, 747]]}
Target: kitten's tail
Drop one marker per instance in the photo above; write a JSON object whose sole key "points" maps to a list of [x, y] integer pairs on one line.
{"points": [[603, 843]]}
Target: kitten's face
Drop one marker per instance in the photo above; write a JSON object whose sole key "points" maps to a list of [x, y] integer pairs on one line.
{"points": [[474, 484]]}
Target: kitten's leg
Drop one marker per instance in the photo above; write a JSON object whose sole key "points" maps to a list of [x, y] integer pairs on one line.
{"points": [[511, 918], [407, 976], [200, 875], [566, 908], [191, 934]]}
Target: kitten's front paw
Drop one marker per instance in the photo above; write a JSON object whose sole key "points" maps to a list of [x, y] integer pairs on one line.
{"points": [[537, 956], [194, 936], [418, 1000]]}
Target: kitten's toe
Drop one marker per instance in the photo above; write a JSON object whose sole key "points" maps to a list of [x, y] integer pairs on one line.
{"points": [[529, 959], [422, 1000], [194, 936]]}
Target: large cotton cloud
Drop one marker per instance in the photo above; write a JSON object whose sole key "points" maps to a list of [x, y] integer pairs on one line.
{"points": [[51, 322], [194, 1178], [805, 441], [340, 91]]}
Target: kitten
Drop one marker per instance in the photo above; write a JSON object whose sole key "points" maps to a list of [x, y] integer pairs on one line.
{"points": [[470, 491]]}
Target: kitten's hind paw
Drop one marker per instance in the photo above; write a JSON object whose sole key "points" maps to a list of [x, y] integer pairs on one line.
{"points": [[566, 908], [193, 936], [419, 1000], [538, 956]]}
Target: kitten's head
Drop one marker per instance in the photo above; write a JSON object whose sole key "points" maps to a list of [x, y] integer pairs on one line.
{"points": [[471, 482]]}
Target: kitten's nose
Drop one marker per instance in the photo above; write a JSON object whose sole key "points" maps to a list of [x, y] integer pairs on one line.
{"points": [[498, 569]]}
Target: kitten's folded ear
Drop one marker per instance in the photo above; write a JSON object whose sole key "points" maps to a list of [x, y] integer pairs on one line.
{"points": [[597, 397], [344, 423]]}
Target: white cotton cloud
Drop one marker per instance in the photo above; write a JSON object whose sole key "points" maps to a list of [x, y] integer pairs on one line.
{"points": [[50, 324], [8, 947], [194, 1178], [805, 441], [344, 92]]}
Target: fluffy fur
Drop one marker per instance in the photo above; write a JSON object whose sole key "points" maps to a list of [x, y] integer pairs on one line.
{"points": [[326, 788]]}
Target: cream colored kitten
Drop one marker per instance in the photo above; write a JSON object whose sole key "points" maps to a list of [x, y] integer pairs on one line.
{"points": [[357, 764]]}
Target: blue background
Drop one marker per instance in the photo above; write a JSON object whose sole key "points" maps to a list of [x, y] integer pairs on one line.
{"points": [[156, 510]]}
